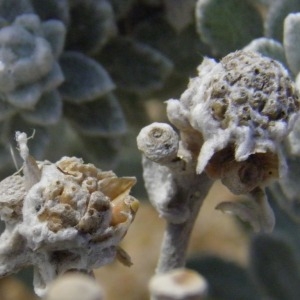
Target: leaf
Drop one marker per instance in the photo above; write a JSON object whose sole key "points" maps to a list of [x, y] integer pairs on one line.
{"points": [[25, 97], [268, 47], [226, 280], [184, 49], [101, 151], [291, 41], [255, 210], [10, 9], [55, 33], [275, 17], [52, 10], [30, 22], [275, 266], [102, 117], [92, 25], [227, 25], [121, 7], [53, 79], [134, 66], [6, 163], [48, 110], [131, 104], [85, 79], [286, 191], [179, 13], [6, 110]]}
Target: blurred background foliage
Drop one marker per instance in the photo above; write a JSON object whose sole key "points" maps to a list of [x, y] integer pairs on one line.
{"points": [[87, 75]]}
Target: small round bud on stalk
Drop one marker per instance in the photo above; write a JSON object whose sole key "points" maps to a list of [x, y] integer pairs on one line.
{"points": [[158, 142], [178, 284], [74, 286]]}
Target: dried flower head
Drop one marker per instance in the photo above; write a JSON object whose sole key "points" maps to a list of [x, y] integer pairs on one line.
{"points": [[63, 216], [242, 107]]}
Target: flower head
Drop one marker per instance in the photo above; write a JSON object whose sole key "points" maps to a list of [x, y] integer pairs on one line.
{"points": [[242, 107], [63, 216]]}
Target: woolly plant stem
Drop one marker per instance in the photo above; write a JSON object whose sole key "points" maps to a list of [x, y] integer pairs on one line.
{"points": [[176, 237]]}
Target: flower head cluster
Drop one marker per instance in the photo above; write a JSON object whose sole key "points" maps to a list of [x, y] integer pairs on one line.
{"points": [[242, 107], [63, 216]]}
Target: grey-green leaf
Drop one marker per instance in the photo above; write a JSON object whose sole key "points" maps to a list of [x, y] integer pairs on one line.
{"points": [[25, 97], [121, 7], [102, 117], [291, 41], [55, 34], [101, 151], [134, 66], [10, 9], [275, 267], [275, 17], [85, 79], [47, 111], [227, 280], [92, 25], [227, 25], [268, 47], [6, 109], [53, 79], [52, 10], [179, 13], [184, 49]]}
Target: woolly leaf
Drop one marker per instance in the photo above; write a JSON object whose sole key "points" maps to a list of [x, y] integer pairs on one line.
{"points": [[10, 9], [227, 25], [275, 18], [131, 104], [121, 7], [291, 41], [152, 2], [275, 267], [287, 190], [25, 97], [47, 111], [52, 9], [55, 33], [85, 79], [268, 47], [101, 151], [6, 162], [179, 13], [293, 139], [6, 110], [185, 49], [102, 117], [226, 280], [30, 22], [134, 66], [53, 79], [92, 25]]}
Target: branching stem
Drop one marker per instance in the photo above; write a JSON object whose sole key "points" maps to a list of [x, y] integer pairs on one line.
{"points": [[176, 236]]}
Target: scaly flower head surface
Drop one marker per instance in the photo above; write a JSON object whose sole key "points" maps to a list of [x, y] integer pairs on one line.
{"points": [[63, 216], [242, 108]]}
